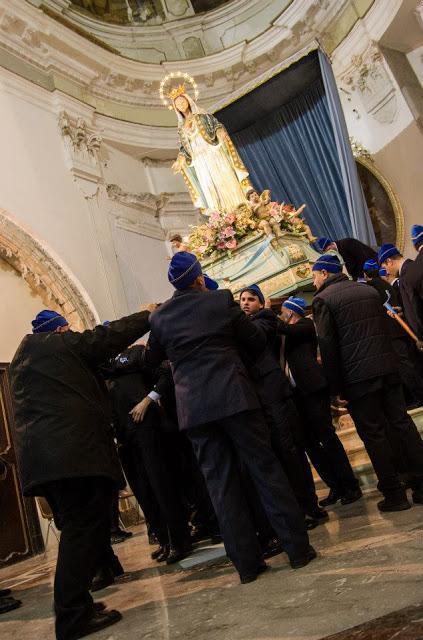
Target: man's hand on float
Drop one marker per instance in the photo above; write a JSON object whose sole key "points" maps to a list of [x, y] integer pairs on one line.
{"points": [[268, 303], [140, 409], [151, 306]]}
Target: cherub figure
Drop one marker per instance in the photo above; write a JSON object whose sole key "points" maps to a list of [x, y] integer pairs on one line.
{"points": [[292, 215], [266, 211]]}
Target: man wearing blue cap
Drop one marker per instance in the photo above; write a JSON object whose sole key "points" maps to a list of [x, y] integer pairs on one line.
{"points": [[352, 251], [312, 398], [414, 280], [390, 258], [275, 396], [200, 333], [360, 363], [66, 452], [410, 378]]}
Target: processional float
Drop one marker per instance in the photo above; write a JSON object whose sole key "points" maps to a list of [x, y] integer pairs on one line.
{"points": [[247, 237]]}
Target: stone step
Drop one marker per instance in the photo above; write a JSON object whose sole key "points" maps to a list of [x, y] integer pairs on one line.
{"points": [[354, 447]]}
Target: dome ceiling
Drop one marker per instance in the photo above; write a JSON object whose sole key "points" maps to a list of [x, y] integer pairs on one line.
{"points": [[127, 12]]}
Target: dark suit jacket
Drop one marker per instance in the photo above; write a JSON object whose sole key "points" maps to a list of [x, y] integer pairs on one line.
{"points": [[411, 286], [270, 381], [63, 414], [301, 354], [355, 253], [200, 333]]}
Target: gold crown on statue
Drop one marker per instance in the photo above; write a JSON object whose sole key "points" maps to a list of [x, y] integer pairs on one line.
{"points": [[177, 91], [174, 92]]}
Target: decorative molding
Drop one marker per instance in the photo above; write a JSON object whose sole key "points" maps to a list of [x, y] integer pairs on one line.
{"points": [[127, 89], [369, 78], [152, 162], [45, 275], [145, 201], [81, 153], [141, 227]]}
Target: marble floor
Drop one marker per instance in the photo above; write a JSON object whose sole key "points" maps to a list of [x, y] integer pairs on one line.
{"points": [[369, 566]]}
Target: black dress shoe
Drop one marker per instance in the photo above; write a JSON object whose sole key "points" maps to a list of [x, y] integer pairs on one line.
{"points": [[164, 554], [9, 604], [351, 496], [99, 606], [178, 553], [100, 620], [103, 578], [252, 577], [390, 505], [271, 548], [316, 517], [157, 552], [332, 498], [5, 592], [298, 562]]}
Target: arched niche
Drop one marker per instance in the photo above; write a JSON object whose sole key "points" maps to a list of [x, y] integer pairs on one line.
{"points": [[44, 274]]}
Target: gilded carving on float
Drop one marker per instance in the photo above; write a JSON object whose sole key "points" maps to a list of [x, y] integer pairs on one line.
{"points": [[384, 207]]}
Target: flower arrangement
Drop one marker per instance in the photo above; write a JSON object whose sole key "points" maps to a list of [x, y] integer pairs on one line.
{"points": [[221, 234]]}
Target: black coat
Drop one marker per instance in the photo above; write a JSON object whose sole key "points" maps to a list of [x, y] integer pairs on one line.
{"points": [[62, 410], [129, 381], [270, 381], [411, 286], [300, 351], [355, 253], [354, 340], [387, 293], [199, 332]]}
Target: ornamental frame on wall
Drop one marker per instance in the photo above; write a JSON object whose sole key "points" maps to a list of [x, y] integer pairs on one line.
{"points": [[383, 203]]}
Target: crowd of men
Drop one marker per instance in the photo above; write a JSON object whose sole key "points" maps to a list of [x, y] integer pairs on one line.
{"points": [[213, 422]]}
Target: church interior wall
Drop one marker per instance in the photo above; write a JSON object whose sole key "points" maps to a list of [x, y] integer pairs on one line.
{"points": [[19, 306], [401, 161], [38, 191]]}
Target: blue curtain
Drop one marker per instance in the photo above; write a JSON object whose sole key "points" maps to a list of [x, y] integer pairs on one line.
{"points": [[359, 216], [293, 152]]}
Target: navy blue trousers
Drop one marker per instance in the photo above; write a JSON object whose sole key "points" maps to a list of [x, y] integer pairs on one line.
{"points": [[217, 446]]}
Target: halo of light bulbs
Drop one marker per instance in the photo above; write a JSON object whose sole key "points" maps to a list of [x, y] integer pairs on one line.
{"points": [[175, 75]]}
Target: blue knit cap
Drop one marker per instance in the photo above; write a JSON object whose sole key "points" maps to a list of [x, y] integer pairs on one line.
{"points": [[323, 243], [184, 268], [417, 234], [211, 284], [48, 320], [295, 304], [255, 289], [387, 251], [382, 272], [328, 263], [370, 265]]}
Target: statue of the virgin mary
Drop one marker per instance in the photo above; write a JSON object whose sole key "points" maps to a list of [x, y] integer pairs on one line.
{"points": [[214, 173]]}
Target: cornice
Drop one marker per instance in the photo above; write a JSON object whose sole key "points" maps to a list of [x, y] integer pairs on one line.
{"points": [[49, 54]]}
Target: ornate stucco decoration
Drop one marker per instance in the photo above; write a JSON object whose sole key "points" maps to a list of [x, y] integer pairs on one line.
{"points": [[82, 149], [369, 77], [45, 275], [146, 201]]}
